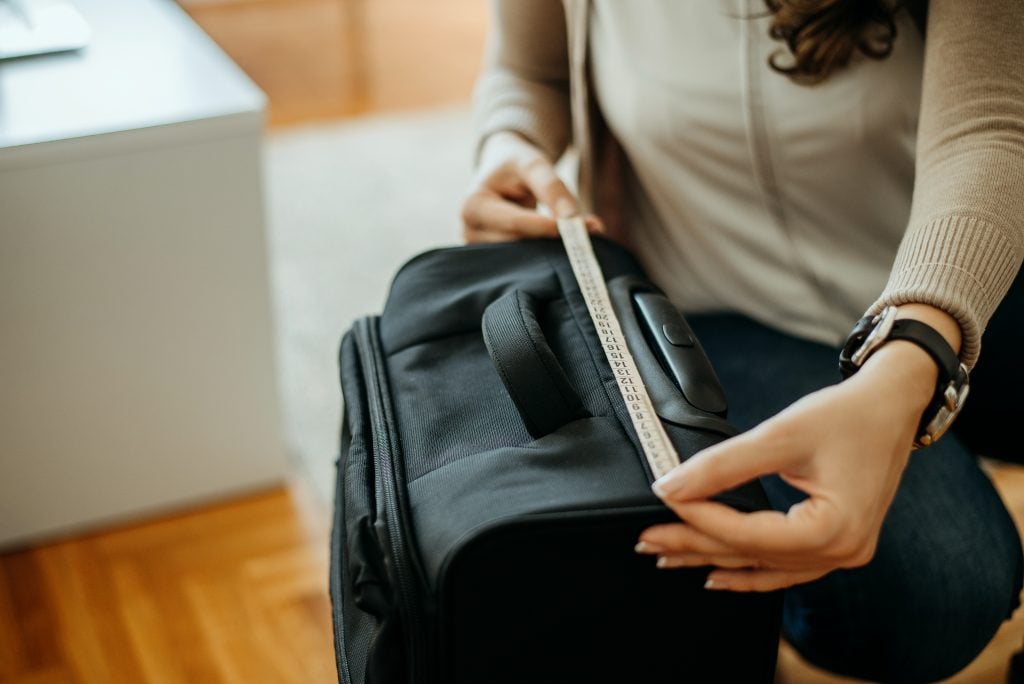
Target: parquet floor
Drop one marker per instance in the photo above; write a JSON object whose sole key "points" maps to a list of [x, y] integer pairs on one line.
{"points": [[231, 593]]}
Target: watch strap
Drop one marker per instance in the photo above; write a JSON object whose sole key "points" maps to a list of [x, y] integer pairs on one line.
{"points": [[928, 339]]}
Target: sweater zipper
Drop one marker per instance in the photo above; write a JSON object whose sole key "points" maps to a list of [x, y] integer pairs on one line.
{"points": [[760, 147]]}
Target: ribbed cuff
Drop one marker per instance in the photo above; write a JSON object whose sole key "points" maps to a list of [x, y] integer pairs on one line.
{"points": [[551, 144], [961, 264]]}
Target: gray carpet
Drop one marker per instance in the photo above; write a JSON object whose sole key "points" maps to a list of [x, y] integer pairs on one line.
{"points": [[348, 203]]}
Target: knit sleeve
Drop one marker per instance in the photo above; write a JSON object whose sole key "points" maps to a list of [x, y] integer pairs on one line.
{"points": [[965, 239], [524, 84]]}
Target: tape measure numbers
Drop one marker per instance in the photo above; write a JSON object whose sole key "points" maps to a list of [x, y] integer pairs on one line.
{"points": [[659, 451]]}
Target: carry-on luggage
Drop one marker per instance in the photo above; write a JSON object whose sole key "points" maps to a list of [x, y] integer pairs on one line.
{"points": [[491, 488]]}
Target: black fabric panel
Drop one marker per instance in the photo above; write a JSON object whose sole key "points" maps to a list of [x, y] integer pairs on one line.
{"points": [[586, 464], [450, 403], [573, 594], [566, 341], [445, 292]]}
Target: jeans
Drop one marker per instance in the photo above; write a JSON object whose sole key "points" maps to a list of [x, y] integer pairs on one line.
{"points": [[948, 566]]}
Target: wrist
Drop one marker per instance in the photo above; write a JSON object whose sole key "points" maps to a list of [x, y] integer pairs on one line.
{"points": [[904, 372], [912, 363], [908, 363]]}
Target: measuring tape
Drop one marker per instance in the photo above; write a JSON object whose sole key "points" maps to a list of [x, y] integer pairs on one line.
{"points": [[659, 451]]}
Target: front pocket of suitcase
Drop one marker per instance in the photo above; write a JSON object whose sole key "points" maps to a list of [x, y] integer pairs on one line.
{"points": [[577, 604], [368, 635]]}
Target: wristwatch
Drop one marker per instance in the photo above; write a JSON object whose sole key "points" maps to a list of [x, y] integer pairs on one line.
{"points": [[871, 332]]}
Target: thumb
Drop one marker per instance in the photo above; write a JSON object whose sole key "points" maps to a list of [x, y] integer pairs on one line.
{"points": [[727, 465], [540, 177]]}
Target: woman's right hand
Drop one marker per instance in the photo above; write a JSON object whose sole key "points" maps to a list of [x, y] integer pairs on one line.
{"points": [[513, 178]]}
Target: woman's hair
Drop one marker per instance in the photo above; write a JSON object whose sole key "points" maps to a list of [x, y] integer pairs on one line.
{"points": [[824, 35]]}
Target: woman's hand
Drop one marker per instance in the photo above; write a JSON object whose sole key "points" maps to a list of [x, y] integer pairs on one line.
{"points": [[845, 446], [513, 178]]}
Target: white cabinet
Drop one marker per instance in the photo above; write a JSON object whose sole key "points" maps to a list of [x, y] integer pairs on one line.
{"points": [[136, 356]]}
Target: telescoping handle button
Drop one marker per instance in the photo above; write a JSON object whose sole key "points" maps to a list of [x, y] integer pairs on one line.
{"points": [[679, 352], [677, 335]]}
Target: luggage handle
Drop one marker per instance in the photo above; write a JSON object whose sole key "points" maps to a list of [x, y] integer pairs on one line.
{"points": [[529, 369], [672, 341]]}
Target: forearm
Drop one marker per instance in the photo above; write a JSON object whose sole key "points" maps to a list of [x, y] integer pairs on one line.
{"points": [[524, 84], [965, 236]]}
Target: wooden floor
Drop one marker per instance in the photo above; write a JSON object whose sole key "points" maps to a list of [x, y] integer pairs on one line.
{"points": [[324, 59], [232, 593]]}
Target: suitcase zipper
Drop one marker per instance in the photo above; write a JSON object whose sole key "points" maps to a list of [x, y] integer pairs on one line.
{"points": [[391, 481]]}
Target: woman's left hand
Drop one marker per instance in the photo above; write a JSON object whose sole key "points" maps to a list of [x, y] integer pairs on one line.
{"points": [[845, 446]]}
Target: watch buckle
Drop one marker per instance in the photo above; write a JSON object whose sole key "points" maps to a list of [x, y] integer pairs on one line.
{"points": [[953, 402], [882, 323]]}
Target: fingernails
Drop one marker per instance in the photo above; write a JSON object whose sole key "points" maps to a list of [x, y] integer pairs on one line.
{"points": [[715, 585], [669, 483], [684, 561], [564, 208], [667, 562], [647, 547], [595, 225]]}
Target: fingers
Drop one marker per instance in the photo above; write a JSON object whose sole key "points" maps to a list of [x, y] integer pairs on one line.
{"points": [[594, 224], [713, 529], [760, 580], [697, 560], [540, 177], [514, 177], [488, 217], [758, 452], [804, 528], [677, 537]]}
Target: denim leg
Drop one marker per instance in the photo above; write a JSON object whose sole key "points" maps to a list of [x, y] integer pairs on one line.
{"points": [[948, 567]]}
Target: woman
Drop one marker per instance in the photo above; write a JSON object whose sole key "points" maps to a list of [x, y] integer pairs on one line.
{"points": [[780, 169]]}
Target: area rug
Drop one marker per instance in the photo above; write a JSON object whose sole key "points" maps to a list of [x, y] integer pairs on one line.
{"points": [[347, 204]]}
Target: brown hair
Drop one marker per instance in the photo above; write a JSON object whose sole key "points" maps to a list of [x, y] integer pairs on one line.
{"points": [[824, 35]]}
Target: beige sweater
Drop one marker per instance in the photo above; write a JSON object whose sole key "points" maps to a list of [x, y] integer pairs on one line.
{"points": [[964, 240]]}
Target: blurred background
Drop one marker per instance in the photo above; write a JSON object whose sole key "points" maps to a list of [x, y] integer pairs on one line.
{"points": [[196, 201], [367, 102]]}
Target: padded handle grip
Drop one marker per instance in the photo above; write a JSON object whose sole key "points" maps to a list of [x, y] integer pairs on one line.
{"points": [[532, 375]]}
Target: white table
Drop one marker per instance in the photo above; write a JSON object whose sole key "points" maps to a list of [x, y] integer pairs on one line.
{"points": [[136, 356]]}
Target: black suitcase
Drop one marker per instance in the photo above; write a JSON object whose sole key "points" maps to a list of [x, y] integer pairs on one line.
{"points": [[491, 488]]}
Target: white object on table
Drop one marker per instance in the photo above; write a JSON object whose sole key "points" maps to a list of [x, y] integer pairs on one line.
{"points": [[136, 356], [33, 27]]}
